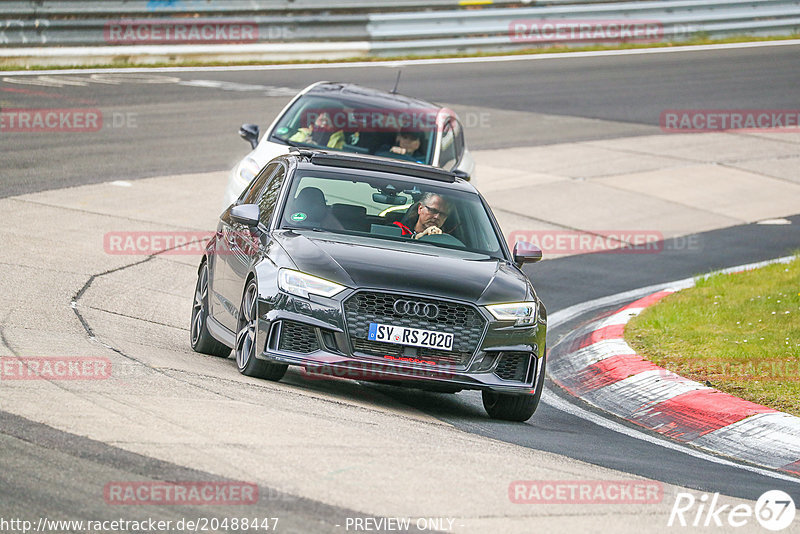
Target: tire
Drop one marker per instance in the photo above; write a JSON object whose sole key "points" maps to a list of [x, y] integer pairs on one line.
{"points": [[508, 407], [245, 347], [201, 339]]}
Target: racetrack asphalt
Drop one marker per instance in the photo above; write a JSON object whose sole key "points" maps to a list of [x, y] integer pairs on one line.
{"points": [[178, 131], [175, 123]]}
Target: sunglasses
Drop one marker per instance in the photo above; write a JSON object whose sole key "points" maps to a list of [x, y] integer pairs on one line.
{"points": [[436, 212]]}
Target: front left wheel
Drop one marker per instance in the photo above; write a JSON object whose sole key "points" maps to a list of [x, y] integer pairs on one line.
{"points": [[201, 339], [246, 347]]}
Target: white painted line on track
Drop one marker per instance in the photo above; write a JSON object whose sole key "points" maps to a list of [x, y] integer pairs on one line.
{"points": [[415, 62], [554, 401], [567, 314]]}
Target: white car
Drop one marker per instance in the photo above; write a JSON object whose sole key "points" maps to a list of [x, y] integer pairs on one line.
{"points": [[351, 118]]}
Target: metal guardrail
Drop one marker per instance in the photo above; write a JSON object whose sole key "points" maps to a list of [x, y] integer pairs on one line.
{"points": [[321, 24], [95, 31], [440, 24], [677, 20], [125, 8]]}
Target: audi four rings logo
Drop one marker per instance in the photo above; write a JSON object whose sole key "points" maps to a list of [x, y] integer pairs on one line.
{"points": [[420, 309]]}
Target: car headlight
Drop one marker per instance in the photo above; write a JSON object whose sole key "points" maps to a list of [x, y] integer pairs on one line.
{"points": [[522, 313], [248, 169], [302, 284]]}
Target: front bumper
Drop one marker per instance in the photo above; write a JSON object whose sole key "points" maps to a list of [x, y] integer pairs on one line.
{"points": [[314, 334]]}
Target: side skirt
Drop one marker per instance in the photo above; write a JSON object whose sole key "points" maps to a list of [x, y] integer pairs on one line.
{"points": [[220, 333]]}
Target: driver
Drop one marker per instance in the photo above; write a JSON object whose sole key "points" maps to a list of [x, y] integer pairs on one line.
{"points": [[429, 217], [320, 132], [406, 146]]}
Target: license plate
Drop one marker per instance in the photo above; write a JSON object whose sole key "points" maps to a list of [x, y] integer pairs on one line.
{"points": [[416, 337]]}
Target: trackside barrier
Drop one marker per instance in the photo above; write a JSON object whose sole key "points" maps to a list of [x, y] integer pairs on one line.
{"points": [[261, 28]]}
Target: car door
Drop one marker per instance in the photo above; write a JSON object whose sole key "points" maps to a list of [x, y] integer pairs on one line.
{"points": [[233, 243], [245, 246]]}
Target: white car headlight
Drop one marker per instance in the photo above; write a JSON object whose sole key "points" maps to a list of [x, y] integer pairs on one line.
{"points": [[523, 313], [248, 169], [302, 284]]}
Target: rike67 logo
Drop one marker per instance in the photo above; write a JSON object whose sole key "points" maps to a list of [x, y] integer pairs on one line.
{"points": [[774, 510]]}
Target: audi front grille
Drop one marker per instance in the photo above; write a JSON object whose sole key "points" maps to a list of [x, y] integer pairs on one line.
{"points": [[464, 321]]}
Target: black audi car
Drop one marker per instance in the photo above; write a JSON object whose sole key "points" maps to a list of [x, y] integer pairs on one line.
{"points": [[376, 269]]}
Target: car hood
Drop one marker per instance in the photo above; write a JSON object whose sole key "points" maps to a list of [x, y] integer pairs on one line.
{"points": [[409, 267]]}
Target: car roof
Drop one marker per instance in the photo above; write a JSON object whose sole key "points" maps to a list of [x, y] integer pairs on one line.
{"points": [[369, 96], [368, 165]]}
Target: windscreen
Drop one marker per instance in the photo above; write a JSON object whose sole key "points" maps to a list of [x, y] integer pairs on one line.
{"points": [[391, 209], [402, 133]]}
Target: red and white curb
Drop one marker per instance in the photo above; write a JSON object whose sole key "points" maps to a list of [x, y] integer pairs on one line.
{"points": [[595, 364]]}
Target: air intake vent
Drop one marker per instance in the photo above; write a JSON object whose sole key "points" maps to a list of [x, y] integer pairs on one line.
{"points": [[298, 337], [514, 366]]}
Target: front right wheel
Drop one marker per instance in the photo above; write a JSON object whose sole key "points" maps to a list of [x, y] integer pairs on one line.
{"points": [[246, 345], [509, 407]]}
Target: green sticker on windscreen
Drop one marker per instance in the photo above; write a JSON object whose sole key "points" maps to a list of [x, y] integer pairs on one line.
{"points": [[299, 216], [282, 131]]}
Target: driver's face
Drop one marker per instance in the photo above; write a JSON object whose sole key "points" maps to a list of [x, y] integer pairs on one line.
{"points": [[323, 122], [410, 144], [433, 212]]}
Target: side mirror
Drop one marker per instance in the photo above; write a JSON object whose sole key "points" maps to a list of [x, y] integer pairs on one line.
{"points": [[246, 214], [526, 253], [250, 133]]}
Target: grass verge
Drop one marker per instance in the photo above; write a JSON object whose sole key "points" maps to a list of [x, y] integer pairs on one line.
{"points": [[739, 333], [702, 40]]}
